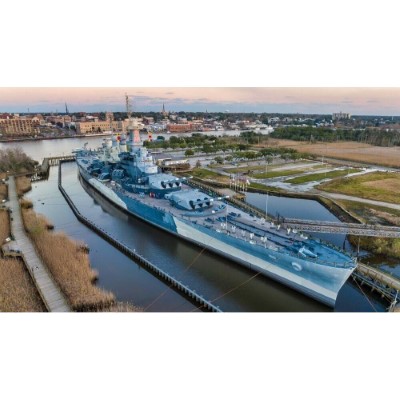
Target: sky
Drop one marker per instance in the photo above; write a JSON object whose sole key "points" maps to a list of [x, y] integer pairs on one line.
{"points": [[356, 101]]}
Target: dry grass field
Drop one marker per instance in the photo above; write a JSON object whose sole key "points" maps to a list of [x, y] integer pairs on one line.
{"points": [[390, 184], [352, 151], [69, 264], [17, 291], [380, 186]]}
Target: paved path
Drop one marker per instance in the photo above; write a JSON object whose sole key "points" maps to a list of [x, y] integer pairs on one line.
{"points": [[339, 196], [49, 291]]}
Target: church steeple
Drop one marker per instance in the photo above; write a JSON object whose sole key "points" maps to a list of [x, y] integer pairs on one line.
{"points": [[66, 109]]}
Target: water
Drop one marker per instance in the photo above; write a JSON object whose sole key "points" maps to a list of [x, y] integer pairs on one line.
{"points": [[229, 285], [40, 149]]}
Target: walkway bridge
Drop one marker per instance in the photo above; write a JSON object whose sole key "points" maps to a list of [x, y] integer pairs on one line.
{"points": [[43, 171], [388, 286], [341, 227]]}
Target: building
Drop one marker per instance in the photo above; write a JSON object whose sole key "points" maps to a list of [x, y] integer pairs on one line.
{"points": [[340, 116], [179, 128], [163, 112], [109, 116], [59, 119], [148, 120], [99, 126], [17, 126]]}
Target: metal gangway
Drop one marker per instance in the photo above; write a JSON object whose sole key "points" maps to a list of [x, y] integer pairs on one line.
{"points": [[356, 229]]}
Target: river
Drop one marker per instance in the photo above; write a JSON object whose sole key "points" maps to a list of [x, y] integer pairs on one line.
{"points": [[229, 285]]}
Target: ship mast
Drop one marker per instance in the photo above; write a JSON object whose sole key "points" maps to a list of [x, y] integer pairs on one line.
{"points": [[128, 107], [133, 128]]}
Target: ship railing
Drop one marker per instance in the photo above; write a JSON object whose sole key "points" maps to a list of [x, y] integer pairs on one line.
{"points": [[344, 265], [259, 213]]}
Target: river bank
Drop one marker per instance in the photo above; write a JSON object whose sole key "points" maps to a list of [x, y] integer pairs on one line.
{"points": [[37, 139]]}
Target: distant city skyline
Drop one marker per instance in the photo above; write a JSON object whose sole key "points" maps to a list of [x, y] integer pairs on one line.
{"points": [[356, 101]]}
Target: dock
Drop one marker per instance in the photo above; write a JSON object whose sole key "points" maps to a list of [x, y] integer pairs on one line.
{"points": [[50, 293], [42, 172], [173, 283]]}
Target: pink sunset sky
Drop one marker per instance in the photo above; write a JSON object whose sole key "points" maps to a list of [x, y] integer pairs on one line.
{"points": [[361, 101]]}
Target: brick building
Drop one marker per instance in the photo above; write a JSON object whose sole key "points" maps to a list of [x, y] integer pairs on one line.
{"points": [[17, 126]]}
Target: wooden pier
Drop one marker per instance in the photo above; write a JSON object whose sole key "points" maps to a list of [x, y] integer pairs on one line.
{"points": [[174, 283], [42, 172], [50, 293]]}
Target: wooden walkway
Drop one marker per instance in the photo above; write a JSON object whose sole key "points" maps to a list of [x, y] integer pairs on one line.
{"points": [[48, 290]]}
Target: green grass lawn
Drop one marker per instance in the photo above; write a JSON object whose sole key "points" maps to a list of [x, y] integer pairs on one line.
{"points": [[260, 186], [380, 186], [320, 176], [271, 167], [276, 174], [204, 173]]}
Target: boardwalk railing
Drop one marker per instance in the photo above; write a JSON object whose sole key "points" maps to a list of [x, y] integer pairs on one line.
{"points": [[196, 298], [386, 285]]}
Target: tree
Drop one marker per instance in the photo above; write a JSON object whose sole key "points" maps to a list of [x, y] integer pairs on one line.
{"points": [[189, 152], [219, 160]]}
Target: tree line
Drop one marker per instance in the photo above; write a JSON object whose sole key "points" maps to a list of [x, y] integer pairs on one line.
{"points": [[15, 160], [323, 134]]}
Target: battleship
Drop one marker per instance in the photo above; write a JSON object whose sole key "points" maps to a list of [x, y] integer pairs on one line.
{"points": [[124, 172]]}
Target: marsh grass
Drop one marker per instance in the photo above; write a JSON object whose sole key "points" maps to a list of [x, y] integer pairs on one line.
{"points": [[123, 307], [23, 185], [69, 265], [24, 203], [4, 226], [17, 290], [3, 191]]}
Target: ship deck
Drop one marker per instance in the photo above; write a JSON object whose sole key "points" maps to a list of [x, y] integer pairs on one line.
{"points": [[227, 219], [223, 218]]}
